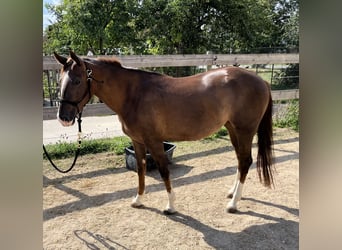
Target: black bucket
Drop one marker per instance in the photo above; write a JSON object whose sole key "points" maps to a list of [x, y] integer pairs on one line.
{"points": [[131, 162]]}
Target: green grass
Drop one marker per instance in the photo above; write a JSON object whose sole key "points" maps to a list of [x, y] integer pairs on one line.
{"points": [[64, 150], [219, 134], [117, 145], [265, 74], [291, 118]]}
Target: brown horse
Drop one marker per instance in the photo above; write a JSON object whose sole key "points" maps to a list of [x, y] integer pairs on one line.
{"points": [[154, 108]]}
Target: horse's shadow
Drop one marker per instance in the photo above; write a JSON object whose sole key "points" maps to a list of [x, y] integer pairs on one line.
{"points": [[279, 234], [176, 171], [95, 241]]}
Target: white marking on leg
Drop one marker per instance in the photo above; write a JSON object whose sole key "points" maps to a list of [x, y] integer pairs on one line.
{"points": [[137, 201], [232, 204], [170, 208], [236, 182]]}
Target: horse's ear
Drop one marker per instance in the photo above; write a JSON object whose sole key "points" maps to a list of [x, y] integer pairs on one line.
{"points": [[75, 58], [61, 59]]}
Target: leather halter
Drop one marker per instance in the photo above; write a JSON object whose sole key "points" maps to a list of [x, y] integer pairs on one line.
{"points": [[87, 93]]}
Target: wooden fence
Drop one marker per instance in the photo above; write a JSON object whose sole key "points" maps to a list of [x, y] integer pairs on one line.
{"points": [[145, 61]]}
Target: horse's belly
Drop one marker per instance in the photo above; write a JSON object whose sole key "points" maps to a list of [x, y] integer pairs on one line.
{"points": [[185, 131]]}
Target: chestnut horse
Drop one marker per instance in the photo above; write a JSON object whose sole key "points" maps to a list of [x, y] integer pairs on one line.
{"points": [[153, 108]]}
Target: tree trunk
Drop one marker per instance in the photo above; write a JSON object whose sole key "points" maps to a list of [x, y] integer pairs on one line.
{"points": [[101, 46]]}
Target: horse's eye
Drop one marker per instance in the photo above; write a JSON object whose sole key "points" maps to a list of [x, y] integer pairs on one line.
{"points": [[76, 82]]}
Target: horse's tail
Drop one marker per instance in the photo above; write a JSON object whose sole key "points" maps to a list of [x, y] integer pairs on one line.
{"points": [[265, 146]]}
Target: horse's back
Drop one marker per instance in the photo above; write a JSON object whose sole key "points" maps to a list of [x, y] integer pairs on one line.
{"points": [[190, 108], [225, 92]]}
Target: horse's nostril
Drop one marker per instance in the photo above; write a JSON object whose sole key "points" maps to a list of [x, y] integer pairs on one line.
{"points": [[63, 118]]}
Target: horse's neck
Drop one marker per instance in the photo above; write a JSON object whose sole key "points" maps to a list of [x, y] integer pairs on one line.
{"points": [[113, 90], [119, 85]]}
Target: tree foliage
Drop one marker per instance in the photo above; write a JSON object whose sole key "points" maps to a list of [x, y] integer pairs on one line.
{"points": [[171, 26]]}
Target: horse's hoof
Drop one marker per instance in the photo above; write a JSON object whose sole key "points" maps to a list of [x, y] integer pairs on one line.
{"points": [[137, 201], [169, 211], [232, 210], [137, 205]]}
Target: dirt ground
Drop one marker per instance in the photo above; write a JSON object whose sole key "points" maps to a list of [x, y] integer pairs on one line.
{"points": [[89, 208]]}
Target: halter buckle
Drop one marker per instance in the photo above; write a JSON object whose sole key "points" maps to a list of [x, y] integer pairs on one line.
{"points": [[89, 72], [79, 137]]}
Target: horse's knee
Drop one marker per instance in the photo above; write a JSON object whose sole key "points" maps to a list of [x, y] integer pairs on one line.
{"points": [[163, 168], [164, 172], [141, 170]]}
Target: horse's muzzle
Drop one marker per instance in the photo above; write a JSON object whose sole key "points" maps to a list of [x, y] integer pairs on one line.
{"points": [[65, 120], [66, 123]]}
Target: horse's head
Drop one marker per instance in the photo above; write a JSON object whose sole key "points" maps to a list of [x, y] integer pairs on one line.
{"points": [[75, 88]]}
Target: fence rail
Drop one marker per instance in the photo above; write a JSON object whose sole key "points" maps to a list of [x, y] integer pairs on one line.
{"points": [[49, 63], [144, 61]]}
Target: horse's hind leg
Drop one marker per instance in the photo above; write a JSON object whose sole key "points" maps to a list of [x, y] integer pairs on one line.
{"points": [[158, 154], [242, 142], [245, 160], [234, 187], [235, 145], [140, 154]]}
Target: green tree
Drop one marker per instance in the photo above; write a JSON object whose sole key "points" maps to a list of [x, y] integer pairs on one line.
{"points": [[173, 26], [87, 25], [285, 28], [190, 26]]}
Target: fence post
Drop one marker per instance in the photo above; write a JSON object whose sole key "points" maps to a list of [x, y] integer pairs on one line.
{"points": [[49, 86], [272, 73]]}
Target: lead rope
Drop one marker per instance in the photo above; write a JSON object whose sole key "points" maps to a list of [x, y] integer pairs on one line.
{"points": [[77, 150]]}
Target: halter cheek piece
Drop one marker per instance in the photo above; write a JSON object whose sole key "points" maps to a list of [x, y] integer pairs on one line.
{"points": [[75, 104]]}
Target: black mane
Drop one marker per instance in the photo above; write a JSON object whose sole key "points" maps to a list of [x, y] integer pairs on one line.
{"points": [[113, 61]]}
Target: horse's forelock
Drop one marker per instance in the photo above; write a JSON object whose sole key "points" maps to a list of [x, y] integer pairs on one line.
{"points": [[68, 64]]}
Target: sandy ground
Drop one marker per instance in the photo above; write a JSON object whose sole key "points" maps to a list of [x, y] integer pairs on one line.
{"points": [[89, 208]]}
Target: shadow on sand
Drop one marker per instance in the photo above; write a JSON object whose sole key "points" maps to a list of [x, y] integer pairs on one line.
{"points": [[86, 201]]}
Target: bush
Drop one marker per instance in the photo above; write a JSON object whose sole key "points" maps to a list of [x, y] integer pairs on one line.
{"points": [[291, 117], [287, 78]]}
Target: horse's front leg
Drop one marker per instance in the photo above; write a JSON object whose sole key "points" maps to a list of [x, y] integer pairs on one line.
{"points": [[140, 154], [158, 154], [165, 174]]}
